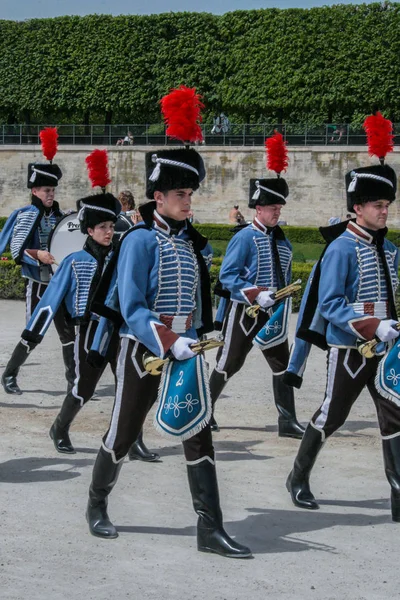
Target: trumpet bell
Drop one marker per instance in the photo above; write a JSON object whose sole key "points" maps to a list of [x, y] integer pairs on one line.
{"points": [[153, 364]]}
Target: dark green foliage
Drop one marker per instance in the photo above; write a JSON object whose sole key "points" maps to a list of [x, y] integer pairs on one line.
{"points": [[12, 285], [319, 65], [2, 221], [215, 231]]}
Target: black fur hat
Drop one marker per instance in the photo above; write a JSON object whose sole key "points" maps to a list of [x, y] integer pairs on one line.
{"points": [[43, 174], [173, 169], [268, 191], [96, 209], [367, 184]]}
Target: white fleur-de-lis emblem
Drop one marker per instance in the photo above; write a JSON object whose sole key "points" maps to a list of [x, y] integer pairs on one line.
{"points": [[177, 405], [395, 377], [272, 327]]}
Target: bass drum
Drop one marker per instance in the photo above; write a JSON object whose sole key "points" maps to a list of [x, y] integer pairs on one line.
{"points": [[66, 238]]}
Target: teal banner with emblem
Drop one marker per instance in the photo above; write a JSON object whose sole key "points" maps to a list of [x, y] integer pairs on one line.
{"points": [[184, 402], [275, 330], [387, 380]]}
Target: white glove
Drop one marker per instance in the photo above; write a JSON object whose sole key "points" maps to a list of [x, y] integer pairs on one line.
{"points": [[265, 299], [385, 331], [181, 348]]}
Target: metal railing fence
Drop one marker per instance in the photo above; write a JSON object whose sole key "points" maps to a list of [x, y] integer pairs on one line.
{"points": [[238, 134]]}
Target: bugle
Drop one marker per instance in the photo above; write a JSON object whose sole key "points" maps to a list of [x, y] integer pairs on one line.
{"points": [[369, 349], [154, 365], [252, 311]]}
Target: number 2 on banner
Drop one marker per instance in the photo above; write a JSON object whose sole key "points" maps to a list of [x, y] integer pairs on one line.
{"points": [[180, 380]]}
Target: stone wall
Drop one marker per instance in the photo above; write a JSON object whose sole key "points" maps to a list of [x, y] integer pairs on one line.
{"points": [[315, 177]]}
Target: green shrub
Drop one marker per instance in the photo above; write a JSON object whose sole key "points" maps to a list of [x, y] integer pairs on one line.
{"points": [[215, 231], [12, 285], [2, 221]]}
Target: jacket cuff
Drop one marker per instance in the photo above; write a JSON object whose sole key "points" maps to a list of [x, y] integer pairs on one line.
{"points": [[250, 294], [364, 327], [166, 337]]}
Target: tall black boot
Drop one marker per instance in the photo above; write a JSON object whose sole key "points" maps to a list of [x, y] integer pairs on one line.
{"points": [[18, 357], [391, 459], [59, 431], [217, 384], [69, 363], [211, 536], [288, 426], [139, 451], [298, 482], [105, 475]]}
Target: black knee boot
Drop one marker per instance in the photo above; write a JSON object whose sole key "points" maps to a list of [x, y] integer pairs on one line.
{"points": [[18, 357], [217, 384], [288, 426], [69, 363], [391, 459], [105, 475], [211, 536], [59, 431], [298, 482], [139, 451]]}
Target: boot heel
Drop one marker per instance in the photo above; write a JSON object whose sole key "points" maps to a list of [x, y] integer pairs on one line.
{"points": [[219, 542], [99, 522]]}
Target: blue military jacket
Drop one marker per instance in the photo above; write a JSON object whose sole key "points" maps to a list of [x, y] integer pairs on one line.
{"points": [[355, 291], [250, 266], [158, 287], [71, 284], [26, 231]]}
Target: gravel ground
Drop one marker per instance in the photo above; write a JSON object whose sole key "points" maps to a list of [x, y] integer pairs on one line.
{"points": [[347, 549]]}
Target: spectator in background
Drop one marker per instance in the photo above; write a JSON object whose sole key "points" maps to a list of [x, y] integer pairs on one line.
{"points": [[128, 215], [126, 141], [235, 216]]}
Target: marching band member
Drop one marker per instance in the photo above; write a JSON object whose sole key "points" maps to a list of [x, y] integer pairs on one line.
{"points": [[73, 284], [257, 262], [27, 232], [351, 299], [162, 292]]}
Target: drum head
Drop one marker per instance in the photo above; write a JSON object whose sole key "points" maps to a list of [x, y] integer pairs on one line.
{"points": [[66, 238]]}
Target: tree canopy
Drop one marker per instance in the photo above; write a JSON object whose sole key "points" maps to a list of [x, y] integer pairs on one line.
{"points": [[296, 65]]}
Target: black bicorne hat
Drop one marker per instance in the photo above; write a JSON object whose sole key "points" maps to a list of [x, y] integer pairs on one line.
{"points": [[368, 184], [173, 169], [268, 191], [96, 209], [43, 174]]}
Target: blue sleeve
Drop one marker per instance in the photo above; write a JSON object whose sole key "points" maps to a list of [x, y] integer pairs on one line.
{"points": [[333, 304], [232, 270], [7, 231], [101, 341], [208, 254], [49, 303], [136, 259], [300, 349], [24, 222]]}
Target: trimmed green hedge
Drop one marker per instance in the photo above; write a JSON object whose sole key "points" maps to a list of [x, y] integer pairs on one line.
{"points": [[301, 235], [12, 285]]}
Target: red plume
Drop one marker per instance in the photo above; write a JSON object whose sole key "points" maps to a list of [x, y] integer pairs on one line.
{"points": [[181, 111], [97, 166], [48, 139], [277, 153], [379, 135]]}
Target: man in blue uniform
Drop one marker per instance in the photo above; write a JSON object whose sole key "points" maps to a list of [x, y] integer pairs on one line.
{"points": [[162, 293], [350, 299], [257, 263], [27, 232]]}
